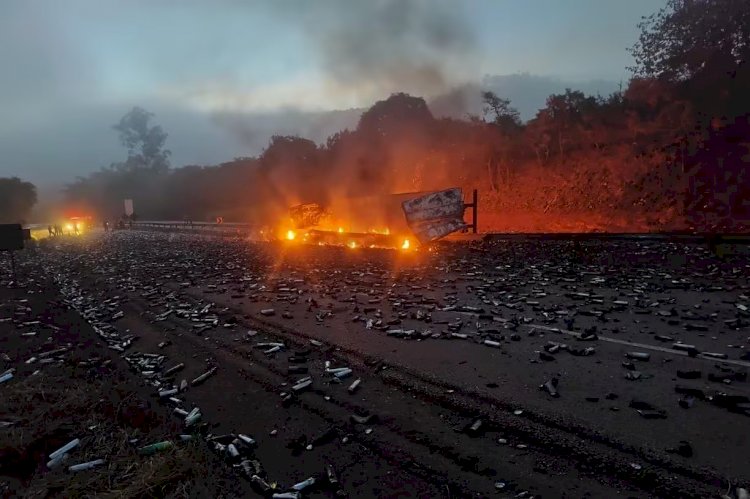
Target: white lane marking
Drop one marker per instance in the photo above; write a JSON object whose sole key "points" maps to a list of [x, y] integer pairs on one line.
{"points": [[644, 346]]}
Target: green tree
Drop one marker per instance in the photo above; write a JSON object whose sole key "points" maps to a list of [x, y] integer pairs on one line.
{"points": [[702, 47], [502, 113], [289, 166], [17, 198], [391, 145], [562, 123], [688, 38], [397, 115], [141, 176], [506, 126]]}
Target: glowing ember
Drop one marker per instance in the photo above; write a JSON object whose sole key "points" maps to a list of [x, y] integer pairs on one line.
{"points": [[334, 234]]}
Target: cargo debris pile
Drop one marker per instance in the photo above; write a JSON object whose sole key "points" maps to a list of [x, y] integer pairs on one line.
{"points": [[542, 335], [238, 450]]}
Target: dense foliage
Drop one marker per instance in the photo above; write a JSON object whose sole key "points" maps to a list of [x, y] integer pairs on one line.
{"points": [[668, 151], [17, 198]]}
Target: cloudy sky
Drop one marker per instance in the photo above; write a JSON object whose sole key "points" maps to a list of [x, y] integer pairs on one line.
{"points": [[222, 75]]}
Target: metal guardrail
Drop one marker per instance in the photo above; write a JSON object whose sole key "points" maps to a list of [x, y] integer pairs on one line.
{"points": [[182, 223], [684, 237], [203, 227], [696, 237]]}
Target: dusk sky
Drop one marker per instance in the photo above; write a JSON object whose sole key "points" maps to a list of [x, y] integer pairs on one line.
{"points": [[70, 69]]}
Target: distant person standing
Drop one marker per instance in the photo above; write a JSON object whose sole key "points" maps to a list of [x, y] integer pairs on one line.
{"points": [[75, 228], [49, 229]]}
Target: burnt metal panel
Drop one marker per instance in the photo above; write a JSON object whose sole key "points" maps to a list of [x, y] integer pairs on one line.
{"points": [[307, 215], [435, 215]]}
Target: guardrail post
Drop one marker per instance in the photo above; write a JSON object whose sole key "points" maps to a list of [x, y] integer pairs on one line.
{"points": [[473, 206]]}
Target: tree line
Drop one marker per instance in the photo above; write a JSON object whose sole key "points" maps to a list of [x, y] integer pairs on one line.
{"points": [[669, 150], [17, 198]]}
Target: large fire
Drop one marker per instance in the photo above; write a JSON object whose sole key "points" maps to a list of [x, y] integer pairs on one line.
{"points": [[392, 221], [337, 236], [362, 228]]}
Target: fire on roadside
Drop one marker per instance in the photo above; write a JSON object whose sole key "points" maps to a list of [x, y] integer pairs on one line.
{"points": [[336, 235], [375, 220]]}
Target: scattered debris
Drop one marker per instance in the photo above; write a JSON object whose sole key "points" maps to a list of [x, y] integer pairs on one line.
{"points": [[86, 466]]}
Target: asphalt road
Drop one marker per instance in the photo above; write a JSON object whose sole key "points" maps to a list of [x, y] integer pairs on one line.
{"points": [[500, 367]]}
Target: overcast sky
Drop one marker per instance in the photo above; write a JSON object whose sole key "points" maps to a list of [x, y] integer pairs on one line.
{"points": [[69, 69]]}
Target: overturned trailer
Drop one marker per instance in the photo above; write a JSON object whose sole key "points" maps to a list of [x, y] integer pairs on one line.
{"points": [[385, 220]]}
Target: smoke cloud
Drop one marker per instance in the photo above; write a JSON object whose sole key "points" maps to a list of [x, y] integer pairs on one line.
{"points": [[372, 49], [365, 52]]}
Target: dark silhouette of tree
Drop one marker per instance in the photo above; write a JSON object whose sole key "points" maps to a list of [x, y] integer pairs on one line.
{"points": [[564, 119], [145, 144], [669, 150], [703, 46], [17, 198], [141, 177], [397, 115], [699, 51], [387, 149], [502, 113], [690, 38], [638, 151], [289, 168], [506, 126]]}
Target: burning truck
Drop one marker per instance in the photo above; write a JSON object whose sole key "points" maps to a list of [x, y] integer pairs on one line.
{"points": [[391, 221]]}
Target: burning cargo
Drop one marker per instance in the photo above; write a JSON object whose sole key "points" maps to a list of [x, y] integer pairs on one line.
{"points": [[382, 221]]}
